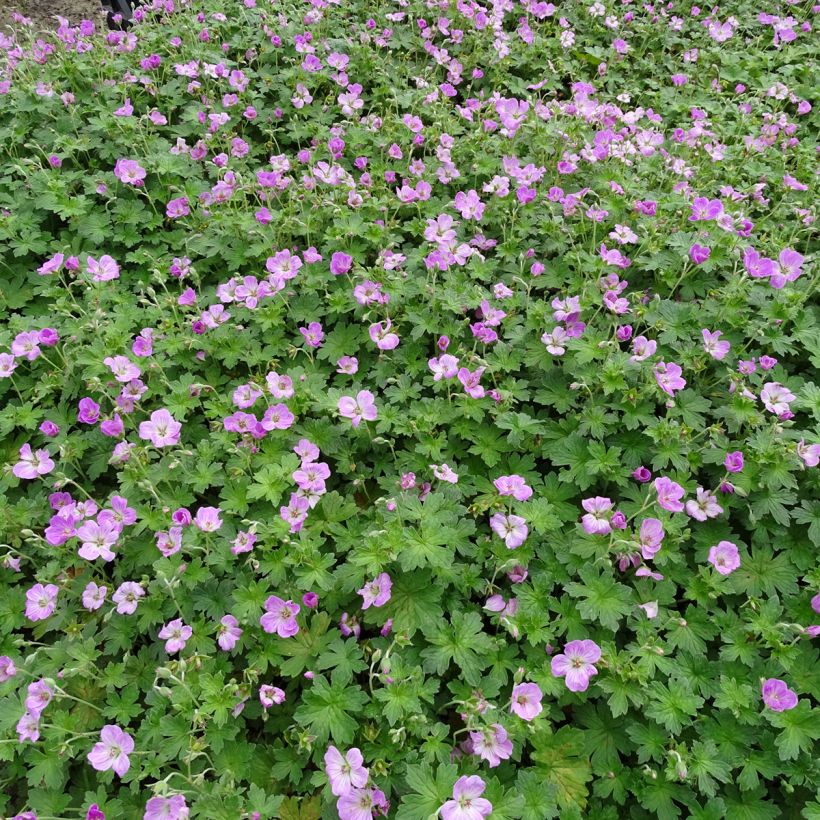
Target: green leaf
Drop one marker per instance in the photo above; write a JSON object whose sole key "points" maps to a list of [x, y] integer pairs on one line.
{"points": [[327, 707]]}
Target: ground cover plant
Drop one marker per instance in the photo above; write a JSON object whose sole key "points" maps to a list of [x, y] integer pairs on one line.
{"points": [[410, 410]]}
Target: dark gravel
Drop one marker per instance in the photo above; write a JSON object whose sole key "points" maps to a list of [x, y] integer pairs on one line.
{"points": [[43, 13]]}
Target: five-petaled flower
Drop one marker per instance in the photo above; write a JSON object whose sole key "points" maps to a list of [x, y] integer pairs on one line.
{"points": [[575, 664], [280, 617], [112, 751]]}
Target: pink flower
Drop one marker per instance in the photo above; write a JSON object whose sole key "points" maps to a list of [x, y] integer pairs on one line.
{"points": [[280, 617], [26, 346], [556, 341], [724, 557], [340, 263], [207, 519], [809, 453], [443, 367], [699, 253], [175, 634], [88, 411], [129, 171], [362, 804], [776, 398], [162, 430], [32, 464], [642, 348], [734, 462], [93, 596], [228, 633], [777, 695], [38, 695], [469, 205], [526, 701], [513, 485], [166, 808], [492, 744], [467, 802], [41, 601], [112, 751], [705, 209], [512, 529], [98, 537], [270, 695], [313, 334], [668, 377], [383, 336], [362, 407], [177, 208], [596, 520], [711, 344], [575, 665], [443, 472], [345, 771], [127, 596], [703, 506], [651, 537], [123, 369], [669, 494], [280, 387], [376, 592], [7, 668]]}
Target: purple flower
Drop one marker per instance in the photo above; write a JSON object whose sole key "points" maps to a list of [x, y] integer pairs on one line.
{"points": [[492, 744], [129, 171], [340, 263], [699, 253], [313, 334], [207, 519], [642, 474], [38, 695], [734, 462], [467, 802], [705, 209], [228, 633], [513, 485], [93, 596], [270, 695], [711, 344], [94, 813], [127, 596], [526, 701], [41, 601], [103, 270], [575, 665], [376, 592], [383, 336], [669, 494], [7, 668], [162, 430], [166, 808], [362, 407], [112, 751], [98, 537], [596, 520], [280, 617], [776, 398], [703, 506], [345, 771], [175, 634], [177, 208], [89, 411], [512, 529], [777, 695], [724, 557], [668, 377], [650, 537], [32, 464]]}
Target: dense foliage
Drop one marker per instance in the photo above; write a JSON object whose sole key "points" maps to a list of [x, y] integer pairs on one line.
{"points": [[410, 409]]}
